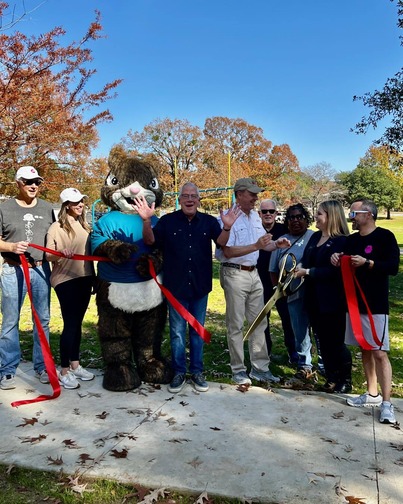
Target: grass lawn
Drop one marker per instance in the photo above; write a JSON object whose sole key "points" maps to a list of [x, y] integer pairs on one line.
{"points": [[22, 486]]}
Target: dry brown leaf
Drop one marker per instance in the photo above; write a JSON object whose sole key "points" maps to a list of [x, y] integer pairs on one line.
{"points": [[119, 454], [9, 469], [80, 489], [32, 440], [215, 428], [338, 415], [179, 440], [329, 440], [195, 462], [243, 388], [184, 403], [396, 446], [339, 488], [70, 444], [154, 496], [103, 415], [203, 499], [83, 457], [28, 421], [354, 500], [56, 461], [284, 419]]}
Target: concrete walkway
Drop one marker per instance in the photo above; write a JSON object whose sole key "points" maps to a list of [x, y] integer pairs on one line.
{"points": [[279, 446]]}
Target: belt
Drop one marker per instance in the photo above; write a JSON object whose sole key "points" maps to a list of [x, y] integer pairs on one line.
{"points": [[33, 264], [238, 266]]}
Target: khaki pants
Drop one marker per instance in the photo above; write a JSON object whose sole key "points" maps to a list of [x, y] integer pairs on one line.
{"points": [[243, 292]]}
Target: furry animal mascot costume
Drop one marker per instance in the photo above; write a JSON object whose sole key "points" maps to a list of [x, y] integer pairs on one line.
{"points": [[131, 308]]}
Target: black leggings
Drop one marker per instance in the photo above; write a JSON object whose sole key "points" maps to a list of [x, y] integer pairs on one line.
{"points": [[74, 297], [330, 329]]}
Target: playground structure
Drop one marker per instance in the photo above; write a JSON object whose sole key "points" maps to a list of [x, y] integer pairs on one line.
{"points": [[229, 200]]}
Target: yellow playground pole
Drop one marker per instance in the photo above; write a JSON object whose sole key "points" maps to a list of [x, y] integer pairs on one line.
{"points": [[229, 179], [176, 184]]}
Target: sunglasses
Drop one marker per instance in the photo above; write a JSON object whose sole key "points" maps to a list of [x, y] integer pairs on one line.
{"points": [[353, 214], [267, 210], [296, 217], [35, 181]]}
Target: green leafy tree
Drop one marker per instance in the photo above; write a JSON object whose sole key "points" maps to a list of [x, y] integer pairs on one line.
{"points": [[387, 104], [374, 179]]}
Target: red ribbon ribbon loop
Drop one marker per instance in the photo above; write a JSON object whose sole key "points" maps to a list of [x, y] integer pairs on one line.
{"points": [[47, 354], [201, 331], [350, 282]]}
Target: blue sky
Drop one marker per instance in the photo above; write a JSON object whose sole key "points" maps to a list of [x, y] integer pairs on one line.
{"points": [[290, 67]]}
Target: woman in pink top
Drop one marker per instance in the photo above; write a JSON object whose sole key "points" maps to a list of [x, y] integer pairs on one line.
{"points": [[72, 281]]}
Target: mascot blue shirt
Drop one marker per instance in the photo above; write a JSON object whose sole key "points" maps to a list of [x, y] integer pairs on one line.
{"points": [[128, 228]]}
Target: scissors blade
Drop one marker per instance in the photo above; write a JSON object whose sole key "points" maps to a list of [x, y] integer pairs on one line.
{"points": [[265, 310]]}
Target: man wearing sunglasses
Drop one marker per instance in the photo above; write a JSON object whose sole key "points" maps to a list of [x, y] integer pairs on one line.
{"points": [[268, 214], [24, 219], [374, 254]]}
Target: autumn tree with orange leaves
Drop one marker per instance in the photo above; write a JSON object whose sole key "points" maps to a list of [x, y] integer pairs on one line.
{"points": [[206, 156], [45, 106]]}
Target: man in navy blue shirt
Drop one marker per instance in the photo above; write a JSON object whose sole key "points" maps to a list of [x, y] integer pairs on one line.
{"points": [[185, 236]]}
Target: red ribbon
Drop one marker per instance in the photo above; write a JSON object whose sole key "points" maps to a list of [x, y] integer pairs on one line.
{"points": [[47, 354], [201, 331], [350, 282], [46, 351]]}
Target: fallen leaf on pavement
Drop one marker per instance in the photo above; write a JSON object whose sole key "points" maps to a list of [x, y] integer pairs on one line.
{"points": [[56, 461], [119, 454], [28, 421]]}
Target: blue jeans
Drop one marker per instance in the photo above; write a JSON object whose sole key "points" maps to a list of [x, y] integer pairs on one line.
{"points": [[14, 290], [300, 326], [177, 329]]}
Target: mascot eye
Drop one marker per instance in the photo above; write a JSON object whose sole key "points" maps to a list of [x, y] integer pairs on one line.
{"points": [[111, 180], [154, 184]]}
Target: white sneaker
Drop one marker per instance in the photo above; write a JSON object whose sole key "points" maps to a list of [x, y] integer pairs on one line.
{"points": [[241, 378], [69, 381], [42, 376], [263, 376], [82, 373], [365, 400], [7, 382], [387, 414]]}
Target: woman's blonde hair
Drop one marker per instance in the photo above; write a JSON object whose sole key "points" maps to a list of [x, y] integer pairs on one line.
{"points": [[64, 221], [336, 219]]}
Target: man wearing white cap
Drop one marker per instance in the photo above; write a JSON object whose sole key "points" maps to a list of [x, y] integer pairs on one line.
{"points": [[24, 219]]}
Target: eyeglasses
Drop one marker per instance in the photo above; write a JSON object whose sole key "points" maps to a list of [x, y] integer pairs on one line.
{"points": [[271, 211], [35, 181], [353, 214], [189, 196], [299, 216]]}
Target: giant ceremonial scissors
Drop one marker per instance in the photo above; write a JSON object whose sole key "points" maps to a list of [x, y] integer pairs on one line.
{"points": [[287, 284]]}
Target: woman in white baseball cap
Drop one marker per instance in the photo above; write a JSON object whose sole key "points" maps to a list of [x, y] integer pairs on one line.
{"points": [[72, 281]]}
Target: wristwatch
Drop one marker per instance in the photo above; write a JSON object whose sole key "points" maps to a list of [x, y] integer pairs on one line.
{"points": [[367, 263]]}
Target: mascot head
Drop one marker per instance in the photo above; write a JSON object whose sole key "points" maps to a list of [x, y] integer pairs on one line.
{"points": [[129, 177]]}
